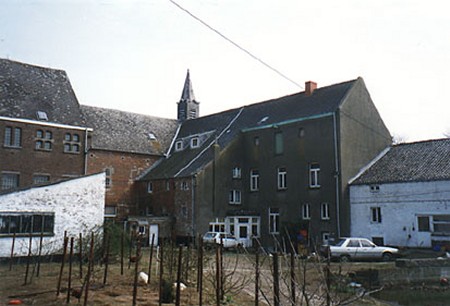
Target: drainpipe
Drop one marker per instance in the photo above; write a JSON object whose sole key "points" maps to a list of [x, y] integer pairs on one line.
{"points": [[337, 174], [85, 151]]}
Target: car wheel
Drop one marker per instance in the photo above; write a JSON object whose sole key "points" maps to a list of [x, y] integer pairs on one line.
{"points": [[387, 257], [344, 258]]}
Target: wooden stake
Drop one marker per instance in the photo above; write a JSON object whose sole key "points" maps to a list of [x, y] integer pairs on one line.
{"points": [[106, 258], [122, 238], [161, 272], [180, 259], [63, 260], [276, 281], [90, 265], [200, 272], [12, 251], [150, 259], [28, 257], [257, 277], [69, 283], [40, 253], [81, 255], [292, 277], [136, 269]]}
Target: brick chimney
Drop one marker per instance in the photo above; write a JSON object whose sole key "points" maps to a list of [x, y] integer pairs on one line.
{"points": [[310, 86]]}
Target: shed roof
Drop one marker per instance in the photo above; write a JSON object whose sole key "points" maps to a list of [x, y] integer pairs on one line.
{"points": [[26, 90], [410, 162]]}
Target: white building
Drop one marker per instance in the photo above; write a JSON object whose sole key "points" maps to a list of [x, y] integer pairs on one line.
{"points": [[75, 206], [403, 197]]}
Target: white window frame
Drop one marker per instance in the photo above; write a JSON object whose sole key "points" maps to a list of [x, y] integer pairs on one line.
{"points": [[110, 211], [179, 145], [306, 211], [195, 142], [149, 187], [254, 180], [274, 220], [375, 214], [184, 185], [325, 211], [314, 175], [236, 173], [217, 226], [235, 197], [282, 178]]}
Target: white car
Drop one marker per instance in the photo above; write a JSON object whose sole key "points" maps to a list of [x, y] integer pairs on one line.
{"points": [[228, 240], [359, 248]]}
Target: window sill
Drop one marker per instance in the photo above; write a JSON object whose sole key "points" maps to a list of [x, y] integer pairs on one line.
{"points": [[12, 147], [70, 152]]}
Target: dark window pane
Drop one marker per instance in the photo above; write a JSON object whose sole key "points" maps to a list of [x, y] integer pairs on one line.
{"points": [[37, 223]]}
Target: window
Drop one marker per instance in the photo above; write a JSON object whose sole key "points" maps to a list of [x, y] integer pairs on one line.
{"points": [[378, 240], [441, 223], [9, 180], [149, 187], [110, 211], [13, 137], [43, 140], [236, 173], [39, 179], [424, 223], [376, 214], [282, 173], [256, 141], [179, 145], [192, 114], [235, 197], [306, 211], [278, 143], [254, 180], [374, 188], [301, 132], [195, 142], [108, 180], [167, 185], [217, 226], [72, 143], [314, 177], [325, 211], [26, 223], [274, 220], [184, 185]]}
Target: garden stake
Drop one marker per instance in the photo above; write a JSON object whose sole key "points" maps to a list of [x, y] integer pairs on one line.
{"points": [[69, 283]]}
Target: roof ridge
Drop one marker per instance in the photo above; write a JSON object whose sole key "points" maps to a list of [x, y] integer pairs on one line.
{"points": [[122, 111]]}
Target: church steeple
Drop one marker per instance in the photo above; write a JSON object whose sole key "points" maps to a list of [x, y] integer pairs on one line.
{"points": [[188, 107]]}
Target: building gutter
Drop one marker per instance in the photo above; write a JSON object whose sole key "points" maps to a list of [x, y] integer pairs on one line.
{"points": [[167, 154], [43, 123], [337, 176]]}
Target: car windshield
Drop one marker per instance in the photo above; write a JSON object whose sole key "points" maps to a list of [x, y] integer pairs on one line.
{"points": [[341, 242], [209, 235]]}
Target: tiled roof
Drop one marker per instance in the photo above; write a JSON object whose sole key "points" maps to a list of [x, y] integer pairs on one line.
{"points": [[129, 132], [227, 125], [26, 89], [410, 162]]}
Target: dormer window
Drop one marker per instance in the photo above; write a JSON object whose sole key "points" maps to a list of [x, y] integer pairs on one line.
{"points": [[179, 145], [41, 115], [195, 143], [151, 136]]}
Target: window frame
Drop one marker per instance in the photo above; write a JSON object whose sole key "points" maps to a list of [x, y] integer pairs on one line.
{"points": [[375, 214], [314, 175], [306, 211], [254, 180], [149, 187], [72, 143], [47, 227], [278, 143], [12, 137], [274, 220], [325, 211], [235, 197], [178, 145], [16, 180], [236, 173], [195, 142], [282, 178]]}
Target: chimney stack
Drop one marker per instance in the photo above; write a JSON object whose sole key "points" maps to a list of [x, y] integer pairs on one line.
{"points": [[310, 86]]}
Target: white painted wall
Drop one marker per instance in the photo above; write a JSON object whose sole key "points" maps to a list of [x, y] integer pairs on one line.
{"points": [[400, 204], [78, 206]]}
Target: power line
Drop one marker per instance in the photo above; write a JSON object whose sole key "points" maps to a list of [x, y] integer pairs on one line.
{"points": [[236, 45]]}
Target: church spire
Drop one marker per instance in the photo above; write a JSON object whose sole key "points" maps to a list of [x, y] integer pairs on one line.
{"points": [[188, 107]]}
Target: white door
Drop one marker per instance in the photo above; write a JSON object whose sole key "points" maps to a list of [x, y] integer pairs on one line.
{"points": [[153, 231]]}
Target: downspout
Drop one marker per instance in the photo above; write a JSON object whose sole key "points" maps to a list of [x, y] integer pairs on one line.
{"points": [[85, 151], [337, 175]]}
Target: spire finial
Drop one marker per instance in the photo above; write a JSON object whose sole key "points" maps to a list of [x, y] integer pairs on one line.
{"points": [[188, 93]]}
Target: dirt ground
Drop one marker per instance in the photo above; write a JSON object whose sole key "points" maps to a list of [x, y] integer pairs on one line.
{"points": [[118, 290]]}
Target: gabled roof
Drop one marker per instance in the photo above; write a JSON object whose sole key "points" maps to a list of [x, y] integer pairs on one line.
{"points": [[129, 132], [26, 90], [410, 162], [228, 124]]}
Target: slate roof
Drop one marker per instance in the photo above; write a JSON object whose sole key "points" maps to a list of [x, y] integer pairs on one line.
{"points": [[223, 127], [26, 89], [410, 162], [129, 132]]}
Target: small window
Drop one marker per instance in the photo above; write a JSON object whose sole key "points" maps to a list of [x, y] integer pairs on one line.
{"points": [[281, 178], [151, 136], [254, 180], [44, 140], [301, 132], [314, 175], [42, 116], [12, 137], [374, 188], [72, 143], [108, 180], [378, 240], [184, 185], [149, 187], [306, 211], [167, 185], [179, 145], [424, 223], [236, 173], [68, 137], [376, 214], [39, 179], [256, 141], [279, 143], [110, 211], [274, 220], [9, 181], [325, 211], [235, 197], [195, 142]]}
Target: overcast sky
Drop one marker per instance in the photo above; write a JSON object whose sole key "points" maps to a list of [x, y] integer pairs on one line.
{"points": [[133, 54]]}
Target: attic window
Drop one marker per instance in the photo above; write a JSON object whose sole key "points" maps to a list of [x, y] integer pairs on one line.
{"points": [[179, 145], [41, 115], [151, 136], [195, 142], [263, 120]]}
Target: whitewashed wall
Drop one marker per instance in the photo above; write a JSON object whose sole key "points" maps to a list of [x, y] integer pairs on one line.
{"points": [[78, 206], [400, 204]]}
